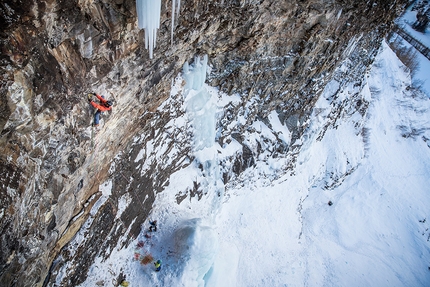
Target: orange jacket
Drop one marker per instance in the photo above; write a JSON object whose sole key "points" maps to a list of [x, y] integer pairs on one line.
{"points": [[101, 107]]}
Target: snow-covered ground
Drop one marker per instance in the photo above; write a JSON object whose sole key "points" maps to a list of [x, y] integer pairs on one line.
{"points": [[373, 167]]}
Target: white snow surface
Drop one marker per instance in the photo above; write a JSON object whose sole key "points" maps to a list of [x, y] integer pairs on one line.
{"points": [[374, 168], [279, 128]]}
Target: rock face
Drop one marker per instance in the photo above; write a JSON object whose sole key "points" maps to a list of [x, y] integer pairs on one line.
{"points": [[54, 52]]}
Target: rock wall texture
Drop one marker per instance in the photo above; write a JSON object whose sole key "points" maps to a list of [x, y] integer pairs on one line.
{"points": [[54, 52]]}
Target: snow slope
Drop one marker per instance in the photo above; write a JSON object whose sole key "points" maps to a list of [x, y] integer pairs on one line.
{"points": [[374, 166]]}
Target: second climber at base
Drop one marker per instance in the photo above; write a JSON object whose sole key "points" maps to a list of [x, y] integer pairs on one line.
{"points": [[157, 265], [104, 106], [153, 226]]}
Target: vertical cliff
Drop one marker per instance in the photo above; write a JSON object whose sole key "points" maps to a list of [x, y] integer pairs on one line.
{"points": [[54, 52]]}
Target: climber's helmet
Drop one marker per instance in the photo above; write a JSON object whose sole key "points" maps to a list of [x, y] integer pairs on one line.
{"points": [[108, 104]]}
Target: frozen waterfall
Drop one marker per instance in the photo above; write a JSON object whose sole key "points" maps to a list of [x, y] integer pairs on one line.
{"points": [[201, 109], [148, 18], [199, 106]]}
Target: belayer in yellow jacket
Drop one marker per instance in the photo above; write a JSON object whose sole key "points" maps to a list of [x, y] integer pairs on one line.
{"points": [[157, 265]]}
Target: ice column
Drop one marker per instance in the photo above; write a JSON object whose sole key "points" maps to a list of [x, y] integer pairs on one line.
{"points": [[201, 110], [148, 18], [176, 6]]}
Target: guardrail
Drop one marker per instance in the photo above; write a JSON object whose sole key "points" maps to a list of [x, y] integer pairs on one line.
{"points": [[423, 49]]}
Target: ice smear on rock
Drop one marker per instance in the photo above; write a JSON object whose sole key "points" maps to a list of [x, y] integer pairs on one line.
{"points": [[148, 15]]}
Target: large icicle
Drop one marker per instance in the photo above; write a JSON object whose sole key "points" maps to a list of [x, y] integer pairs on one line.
{"points": [[176, 8], [148, 18]]}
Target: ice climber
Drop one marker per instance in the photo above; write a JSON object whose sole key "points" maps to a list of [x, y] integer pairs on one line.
{"points": [[157, 265], [104, 106], [153, 226]]}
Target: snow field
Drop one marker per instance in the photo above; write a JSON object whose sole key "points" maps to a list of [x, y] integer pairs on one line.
{"points": [[371, 230]]}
